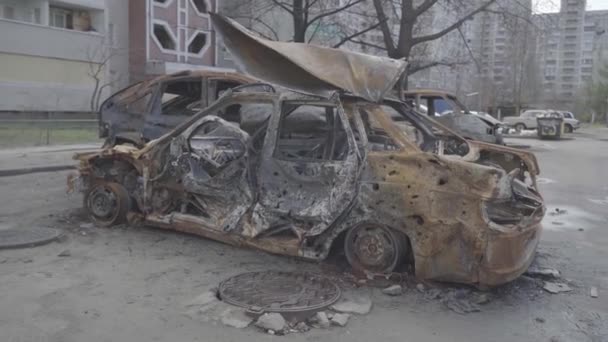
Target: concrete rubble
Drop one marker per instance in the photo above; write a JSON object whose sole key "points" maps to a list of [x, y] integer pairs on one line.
{"points": [[542, 272], [271, 322], [340, 319], [236, 318], [393, 290], [354, 304], [593, 292], [555, 288]]}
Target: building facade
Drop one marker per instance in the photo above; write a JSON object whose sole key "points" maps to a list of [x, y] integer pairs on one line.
{"points": [[60, 55], [570, 47], [168, 36], [504, 50], [48, 51]]}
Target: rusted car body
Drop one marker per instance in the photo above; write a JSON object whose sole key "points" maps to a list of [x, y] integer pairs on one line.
{"points": [[296, 173], [148, 109]]}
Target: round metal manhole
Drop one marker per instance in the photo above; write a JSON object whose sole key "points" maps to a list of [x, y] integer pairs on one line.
{"points": [[27, 237], [276, 291]]}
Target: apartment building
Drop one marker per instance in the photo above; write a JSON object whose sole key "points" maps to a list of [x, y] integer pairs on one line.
{"points": [[504, 49], [48, 49], [168, 36], [570, 49]]}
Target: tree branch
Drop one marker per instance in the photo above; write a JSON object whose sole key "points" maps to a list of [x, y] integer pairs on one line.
{"points": [[384, 27], [457, 24], [355, 35], [361, 42], [425, 6], [334, 11]]}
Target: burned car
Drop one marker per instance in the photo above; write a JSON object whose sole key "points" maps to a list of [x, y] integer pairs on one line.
{"points": [[148, 109], [298, 173], [448, 110]]}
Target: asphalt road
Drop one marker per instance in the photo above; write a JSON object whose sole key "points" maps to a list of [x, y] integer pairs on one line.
{"points": [[133, 284]]}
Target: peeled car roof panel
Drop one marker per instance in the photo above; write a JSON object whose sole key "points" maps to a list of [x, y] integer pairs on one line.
{"points": [[309, 68]]}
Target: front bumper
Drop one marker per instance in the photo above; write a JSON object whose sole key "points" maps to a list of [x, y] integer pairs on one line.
{"points": [[510, 250]]}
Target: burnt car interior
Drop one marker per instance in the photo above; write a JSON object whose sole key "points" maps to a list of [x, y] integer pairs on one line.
{"points": [[310, 132]]}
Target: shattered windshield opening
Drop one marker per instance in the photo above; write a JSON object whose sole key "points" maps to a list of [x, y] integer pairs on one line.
{"points": [[424, 132]]}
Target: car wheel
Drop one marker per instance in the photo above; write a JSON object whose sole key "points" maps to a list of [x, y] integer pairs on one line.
{"points": [[107, 203], [375, 248], [568, 129], [520, 127]]}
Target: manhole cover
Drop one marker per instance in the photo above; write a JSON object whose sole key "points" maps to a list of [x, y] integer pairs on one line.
{"points": [[276, 291], [27, 237]]}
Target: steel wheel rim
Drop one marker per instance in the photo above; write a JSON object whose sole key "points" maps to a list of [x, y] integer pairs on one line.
{"points": [[373, 248], [106, 203]]}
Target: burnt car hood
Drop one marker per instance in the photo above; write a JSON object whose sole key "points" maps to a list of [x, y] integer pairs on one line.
{"points": [[308, 68]]}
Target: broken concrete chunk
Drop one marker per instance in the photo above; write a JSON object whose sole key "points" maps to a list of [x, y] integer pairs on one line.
{"points": [[542, 272], [420, 287], [321, 319], [236, 318], [301, 327], [483, 298], [556, 287], [271, 321], [394, 290], [340, 319], [354, 304], [593, 292]]}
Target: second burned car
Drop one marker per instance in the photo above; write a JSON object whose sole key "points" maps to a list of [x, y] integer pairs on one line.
{"points": [[295, 174]]}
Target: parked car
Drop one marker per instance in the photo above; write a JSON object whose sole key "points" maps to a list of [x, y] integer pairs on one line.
{"points": [[448, 110], [148, 109], [313, 168], [571, 124], [527, 120]]}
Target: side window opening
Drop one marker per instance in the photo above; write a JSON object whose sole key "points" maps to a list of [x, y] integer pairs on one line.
{"points": [[311, 132], [410, 131], [377, 137], [138, 105], [182, 98]]}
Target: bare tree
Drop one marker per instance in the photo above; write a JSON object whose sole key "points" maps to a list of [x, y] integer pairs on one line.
{"points": [[407, 28], [98, 58], [305, 19]]}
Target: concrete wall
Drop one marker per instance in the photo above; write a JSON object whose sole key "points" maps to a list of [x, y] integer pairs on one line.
{"points": [[44, 68]]}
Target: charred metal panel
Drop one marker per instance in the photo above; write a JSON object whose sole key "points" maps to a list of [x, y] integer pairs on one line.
{"points": [[309, 68]]}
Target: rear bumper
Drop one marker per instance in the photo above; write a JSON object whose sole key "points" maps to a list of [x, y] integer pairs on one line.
{"points": [[510, 250]]}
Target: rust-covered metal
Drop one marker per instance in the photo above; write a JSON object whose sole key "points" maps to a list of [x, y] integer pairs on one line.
{"points": [[295, 172], [309, 68]]}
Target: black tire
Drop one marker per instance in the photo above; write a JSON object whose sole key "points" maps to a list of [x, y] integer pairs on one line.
{"points": [[520, 127], [375, 248], [107, 203], [568, 128]]}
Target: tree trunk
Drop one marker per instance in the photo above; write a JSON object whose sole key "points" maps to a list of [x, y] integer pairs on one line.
{"points": [[299, 22]]}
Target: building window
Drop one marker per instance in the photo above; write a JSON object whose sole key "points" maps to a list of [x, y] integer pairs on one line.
{"points": [[8, 12], [198, 43], [61, 18], [164, 37]]}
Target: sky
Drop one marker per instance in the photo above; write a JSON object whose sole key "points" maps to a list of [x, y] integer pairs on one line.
{"points": [[546, 6]]}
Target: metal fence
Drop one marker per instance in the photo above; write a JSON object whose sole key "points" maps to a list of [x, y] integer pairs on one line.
{"points": [[37, 132]]}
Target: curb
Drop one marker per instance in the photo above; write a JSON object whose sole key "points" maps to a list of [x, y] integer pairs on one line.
{"points": [[40, 169]]}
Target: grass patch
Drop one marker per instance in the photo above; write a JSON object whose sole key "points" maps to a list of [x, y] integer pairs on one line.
{"points": [[23, 136]]}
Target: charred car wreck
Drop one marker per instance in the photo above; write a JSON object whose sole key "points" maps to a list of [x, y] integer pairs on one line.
{"points": [[289, 173]]}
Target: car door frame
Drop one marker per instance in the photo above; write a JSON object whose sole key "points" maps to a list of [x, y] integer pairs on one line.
{"points": [[275, 173]]}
